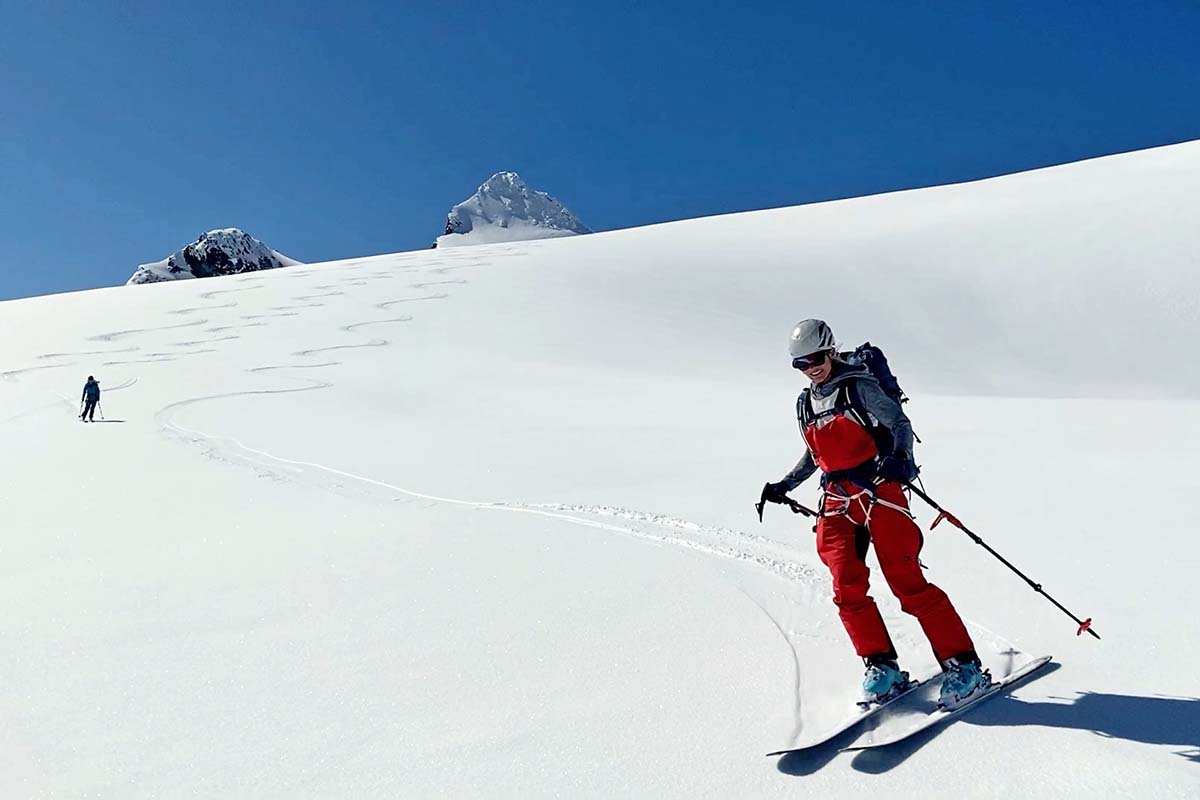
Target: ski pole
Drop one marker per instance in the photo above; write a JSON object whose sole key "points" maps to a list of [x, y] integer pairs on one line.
{"points": [[787, 501], [943, 514], [100, 408]]}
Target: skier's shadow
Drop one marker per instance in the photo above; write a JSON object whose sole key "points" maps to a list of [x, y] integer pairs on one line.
{"points": [[806, 762], [1149, 720]]}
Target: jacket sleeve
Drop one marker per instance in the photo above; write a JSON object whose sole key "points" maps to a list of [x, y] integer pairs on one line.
{"points": [[889, 414], [801, 472]]}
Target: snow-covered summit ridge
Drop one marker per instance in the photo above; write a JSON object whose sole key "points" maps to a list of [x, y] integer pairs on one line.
{"points": [[224, 251], [505, 209]]}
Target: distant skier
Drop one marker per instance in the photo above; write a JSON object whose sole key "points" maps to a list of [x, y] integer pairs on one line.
{"points": [[862, 442], [90, 399]]}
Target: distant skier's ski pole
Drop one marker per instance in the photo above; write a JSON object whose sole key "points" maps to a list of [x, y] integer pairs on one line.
{"points": [[787, 501], [100, 408], [943, 514]]}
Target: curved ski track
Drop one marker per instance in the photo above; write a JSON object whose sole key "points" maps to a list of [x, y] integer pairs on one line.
{"points": [[721, 543], [712, 540]]}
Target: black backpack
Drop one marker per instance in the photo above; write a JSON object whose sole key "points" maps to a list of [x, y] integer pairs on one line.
{"points": [[874, 360]]}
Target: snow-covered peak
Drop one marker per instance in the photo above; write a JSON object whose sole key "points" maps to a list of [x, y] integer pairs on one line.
{"points": [[505, 209], [223, 251]]}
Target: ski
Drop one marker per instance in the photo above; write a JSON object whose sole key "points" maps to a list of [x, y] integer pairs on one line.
{"points": [[940, 716], [863, 715]]}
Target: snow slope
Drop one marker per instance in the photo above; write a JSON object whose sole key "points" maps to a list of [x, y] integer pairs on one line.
{"points": [[505, 209], [478, 522]]}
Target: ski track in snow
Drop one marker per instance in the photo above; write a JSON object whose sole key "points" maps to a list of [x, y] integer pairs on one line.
{"points": [[426, 284], [220, 328], [797, 718], [682, 534], [194, 309], [315, 296], [206, 341], [88, 353], [724, 544], [139, 361], [108, 337], [12, 373], [210, 295], [390, 303], [293, 366], [445, 269], [350, 328], [372, 343], [706, 539], [183, 353]]}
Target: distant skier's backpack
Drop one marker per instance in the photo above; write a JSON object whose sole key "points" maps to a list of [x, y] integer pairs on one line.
{"points": [[874, 360]]}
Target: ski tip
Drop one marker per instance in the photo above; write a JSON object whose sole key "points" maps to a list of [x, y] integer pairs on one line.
{"points": [[788, 752]]}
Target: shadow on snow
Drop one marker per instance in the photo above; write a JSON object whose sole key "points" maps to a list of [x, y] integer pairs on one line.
{"points": [[1170, 721]]}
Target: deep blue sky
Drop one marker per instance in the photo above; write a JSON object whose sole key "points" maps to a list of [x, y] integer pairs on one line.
{"points": [[331, 130]]}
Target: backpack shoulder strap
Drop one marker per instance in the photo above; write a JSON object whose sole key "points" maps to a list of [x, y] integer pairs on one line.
{"points": [[884, 441], [849, 401], [804, 410]]}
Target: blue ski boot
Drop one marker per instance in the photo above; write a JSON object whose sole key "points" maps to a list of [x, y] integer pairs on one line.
{"points": [[883, 681], [963, 680]]}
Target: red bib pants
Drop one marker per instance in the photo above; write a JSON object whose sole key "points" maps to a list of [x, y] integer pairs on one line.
{"points": [[852, 520]]}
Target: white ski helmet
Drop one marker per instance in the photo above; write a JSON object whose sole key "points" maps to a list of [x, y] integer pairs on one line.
{"points": [[810, 336]]}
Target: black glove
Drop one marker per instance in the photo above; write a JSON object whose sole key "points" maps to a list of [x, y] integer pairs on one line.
{"points": [[897, 468], [776, 492]]}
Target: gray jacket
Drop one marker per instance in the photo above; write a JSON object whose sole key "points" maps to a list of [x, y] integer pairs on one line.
{"points": [[871, 399]]}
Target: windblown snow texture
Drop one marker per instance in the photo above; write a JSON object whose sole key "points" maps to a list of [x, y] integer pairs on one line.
{"points": [[225, 251], [506, 209]]}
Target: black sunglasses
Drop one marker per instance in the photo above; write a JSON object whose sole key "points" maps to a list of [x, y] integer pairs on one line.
{"points": [[810, 361]]}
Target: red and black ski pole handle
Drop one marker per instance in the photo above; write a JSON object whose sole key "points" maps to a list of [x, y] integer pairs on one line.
{"points": [[796, 508]]}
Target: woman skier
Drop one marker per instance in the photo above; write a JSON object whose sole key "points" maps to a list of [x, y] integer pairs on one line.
{"points": [[861, 441]]}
